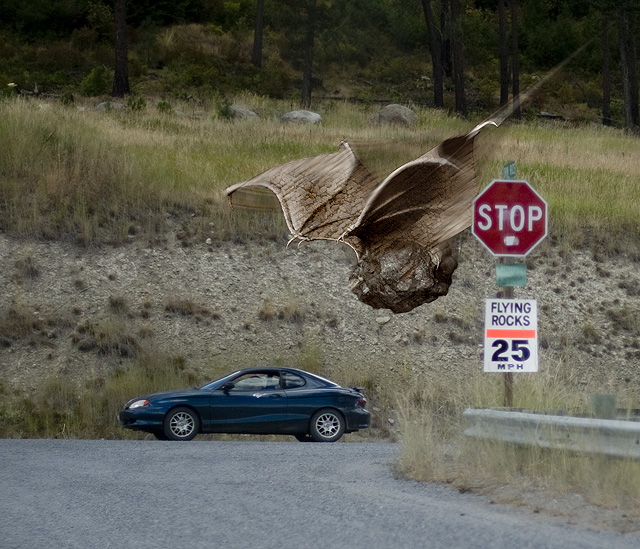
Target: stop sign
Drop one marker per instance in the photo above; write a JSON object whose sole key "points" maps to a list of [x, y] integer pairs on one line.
{"points": [[509, 218]]}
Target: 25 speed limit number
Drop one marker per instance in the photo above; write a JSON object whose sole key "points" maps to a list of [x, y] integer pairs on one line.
{"points": [[511, 335]]}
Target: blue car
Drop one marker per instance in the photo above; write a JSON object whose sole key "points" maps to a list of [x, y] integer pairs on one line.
{"points": [[273, 401]]}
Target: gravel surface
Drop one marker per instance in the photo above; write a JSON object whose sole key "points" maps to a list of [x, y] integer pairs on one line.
{"points": [[68, 494], [224, 304]]}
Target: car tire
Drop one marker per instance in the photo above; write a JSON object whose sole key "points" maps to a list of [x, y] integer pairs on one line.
{"points": [[181, 424], [327, 425]]}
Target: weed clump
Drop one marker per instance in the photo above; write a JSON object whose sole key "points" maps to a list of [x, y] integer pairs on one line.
{"points": [[624, 319], [19, 322], [187, 307], [26, 266], [108, 336]]}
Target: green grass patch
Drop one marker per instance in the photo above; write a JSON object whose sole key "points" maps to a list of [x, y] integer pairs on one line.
{"points": [[62, 408]]}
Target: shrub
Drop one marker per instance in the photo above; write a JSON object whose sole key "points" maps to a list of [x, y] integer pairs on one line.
{"points": [[10, 90], [224, 110], [164, 107], [135, 103], [97, 82], [275, 78]]}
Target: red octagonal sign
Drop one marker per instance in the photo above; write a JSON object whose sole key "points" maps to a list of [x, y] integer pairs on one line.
{"points": [[509, 218]]}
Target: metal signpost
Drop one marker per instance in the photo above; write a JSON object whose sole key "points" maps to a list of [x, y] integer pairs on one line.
{"points": [[510, 220]]}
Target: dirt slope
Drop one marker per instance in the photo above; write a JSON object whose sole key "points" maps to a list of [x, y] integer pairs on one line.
{"points": [[228, 305]]}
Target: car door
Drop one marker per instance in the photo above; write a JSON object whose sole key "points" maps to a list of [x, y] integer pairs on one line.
{"points": [[255, 403], [303, 400]]}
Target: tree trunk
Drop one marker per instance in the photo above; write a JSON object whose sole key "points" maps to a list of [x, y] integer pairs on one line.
{"points": [[256, 54], [504, 54], [627, 28], [307, 70], [606, 75], [515, 59], [445, 50], [121, 75], [623, 41], [457, 55], [633, 68], [436, 56]]}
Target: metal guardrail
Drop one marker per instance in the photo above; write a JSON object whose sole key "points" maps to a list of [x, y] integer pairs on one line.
{"points": [[611, 437]]}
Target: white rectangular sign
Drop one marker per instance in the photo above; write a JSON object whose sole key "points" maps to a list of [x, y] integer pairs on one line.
{"points": [[511, 335]]}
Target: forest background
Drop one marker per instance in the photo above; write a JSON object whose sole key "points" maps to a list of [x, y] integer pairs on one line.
{"points": [[465, 56]]}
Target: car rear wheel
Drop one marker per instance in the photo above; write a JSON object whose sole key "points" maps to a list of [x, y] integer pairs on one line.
{"points": [[326, 425], [181, 424]]}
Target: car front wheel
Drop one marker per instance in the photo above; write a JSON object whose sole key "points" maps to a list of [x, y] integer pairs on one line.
{"points": [[181, 424], [326, 425]]}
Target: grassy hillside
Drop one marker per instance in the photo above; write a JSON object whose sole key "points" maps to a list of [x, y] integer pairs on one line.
{"points": [[97, 177]]}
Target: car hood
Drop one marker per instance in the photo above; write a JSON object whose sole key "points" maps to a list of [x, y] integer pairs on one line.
{"points": [[167, 395], [175, 393]]}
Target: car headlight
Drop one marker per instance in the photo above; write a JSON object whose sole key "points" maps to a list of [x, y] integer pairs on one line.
{"points": [[139, 403]]}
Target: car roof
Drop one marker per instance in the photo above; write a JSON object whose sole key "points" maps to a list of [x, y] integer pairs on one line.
{"points": [[303, 373], [273, 369]]}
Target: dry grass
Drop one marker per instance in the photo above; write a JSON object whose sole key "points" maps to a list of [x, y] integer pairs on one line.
{"points": [[589, 176], [434, 447], [61, 408], [108, 176]]}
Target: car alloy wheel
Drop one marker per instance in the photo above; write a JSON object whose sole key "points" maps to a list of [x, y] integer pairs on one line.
{"points": [[327, 426], [181, 424]]}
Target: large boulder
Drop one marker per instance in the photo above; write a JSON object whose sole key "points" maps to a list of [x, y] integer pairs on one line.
{"points": [[397, 115], [301, 117], [109, 106], [238, 112]]}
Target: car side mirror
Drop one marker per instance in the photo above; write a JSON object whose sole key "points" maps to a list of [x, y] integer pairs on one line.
{"points": [[227, 387]]}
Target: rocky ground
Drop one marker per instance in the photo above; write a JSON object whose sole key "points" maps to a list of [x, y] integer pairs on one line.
{"points": [[228, 305]]}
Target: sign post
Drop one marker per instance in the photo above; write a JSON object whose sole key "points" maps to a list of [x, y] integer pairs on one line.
{"points": [[510, 220]]}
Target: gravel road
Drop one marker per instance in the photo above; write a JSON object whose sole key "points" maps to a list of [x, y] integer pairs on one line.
{"points": [[85, 494]]}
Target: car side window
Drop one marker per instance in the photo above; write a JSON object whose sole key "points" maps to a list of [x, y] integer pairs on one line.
{"points": [[256, 382], [292, 381]]}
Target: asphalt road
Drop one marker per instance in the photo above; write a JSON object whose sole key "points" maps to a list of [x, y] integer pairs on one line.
{"points": [[144, 494]]}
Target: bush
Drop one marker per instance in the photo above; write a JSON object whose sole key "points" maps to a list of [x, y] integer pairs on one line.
{"points": [[275, 78], [135, 103], [164, 107], [10, 90], [97, 82]]}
